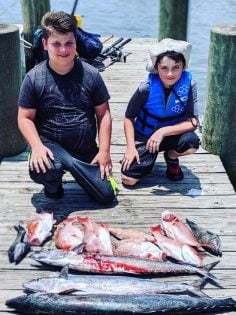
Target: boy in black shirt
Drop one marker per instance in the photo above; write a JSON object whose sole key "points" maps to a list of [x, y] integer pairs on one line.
{"points": [[62, 102]]}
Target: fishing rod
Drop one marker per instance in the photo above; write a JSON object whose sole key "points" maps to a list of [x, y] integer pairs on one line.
{"points": [[106, 50], [74, 7], [113, 52]]}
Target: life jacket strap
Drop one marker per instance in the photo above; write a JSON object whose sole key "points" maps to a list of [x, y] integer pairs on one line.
{"points": [[146, 113]]}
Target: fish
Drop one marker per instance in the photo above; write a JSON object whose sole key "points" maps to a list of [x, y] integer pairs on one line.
{"points": [[69, 235], [176, 250], [98, 284], [117, 304], [96, 237], [96, 263], [130, 233], [20, 247], [204, 236], [138, 248], [39, 227], [177, 230]]}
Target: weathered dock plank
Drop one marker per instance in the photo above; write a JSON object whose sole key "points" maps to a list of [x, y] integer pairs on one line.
{"points": [[205, 196]]}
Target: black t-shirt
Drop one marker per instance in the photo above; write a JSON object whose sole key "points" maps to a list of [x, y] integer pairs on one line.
{"points": [[65, 103]]}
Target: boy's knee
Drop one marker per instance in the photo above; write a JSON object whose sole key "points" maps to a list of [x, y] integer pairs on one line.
{"points": [[52, 174], [106, 198], [129, 181], [189, 143]]}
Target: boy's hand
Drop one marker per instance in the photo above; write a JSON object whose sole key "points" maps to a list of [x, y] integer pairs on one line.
{"points": [[129, 156], [39, 160], [103, 159], [154, 141]]}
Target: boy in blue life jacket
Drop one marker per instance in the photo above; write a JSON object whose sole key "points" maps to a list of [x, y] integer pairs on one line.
{"points": [[162, 114], [62, 103]]}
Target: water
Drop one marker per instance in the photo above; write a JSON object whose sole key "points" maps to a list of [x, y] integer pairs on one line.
{"points": [[140, 18]]}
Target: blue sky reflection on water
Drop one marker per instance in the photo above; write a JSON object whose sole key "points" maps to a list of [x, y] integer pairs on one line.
{"points": [[139, 18]]}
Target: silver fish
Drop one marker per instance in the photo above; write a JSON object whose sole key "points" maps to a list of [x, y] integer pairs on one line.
{"points": [[20, 247], [117, 304], [119, 285], [205, 236], [115, 264]]}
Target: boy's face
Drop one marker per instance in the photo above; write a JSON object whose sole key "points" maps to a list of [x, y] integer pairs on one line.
{"points": [[61, 48], [169, 71]]}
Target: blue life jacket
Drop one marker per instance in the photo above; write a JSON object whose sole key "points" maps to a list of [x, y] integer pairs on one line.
{"points": [[155, 114]]}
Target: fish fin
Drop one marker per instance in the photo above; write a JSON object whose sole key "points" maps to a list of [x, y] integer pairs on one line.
{"points": [[83, 219], [16, 227], [104, 225], [206, 245], [210, 266], [65, 292], [156, 228], [20, 231], [202, 255], [174, 221], [19, 228], [196, 286], [205, 271], [201, 283], [190, 222], [64, 272], [79, 248]]}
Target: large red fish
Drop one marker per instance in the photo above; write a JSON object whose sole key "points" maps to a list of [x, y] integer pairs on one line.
{"points": [[177, 230], [176, 250], [96, 237], [39, 227], [69, 235], [138, 248]]}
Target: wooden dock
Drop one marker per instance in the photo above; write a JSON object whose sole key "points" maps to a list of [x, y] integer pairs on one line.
{"points": [[205, 196]]}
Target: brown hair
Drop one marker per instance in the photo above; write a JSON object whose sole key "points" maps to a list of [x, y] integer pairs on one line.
{"points": [[177, 57], [60, 22]]}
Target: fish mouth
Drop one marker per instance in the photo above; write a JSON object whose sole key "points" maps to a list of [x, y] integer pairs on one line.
{"points": [[168, 216], [35, 241], [16, 303]]}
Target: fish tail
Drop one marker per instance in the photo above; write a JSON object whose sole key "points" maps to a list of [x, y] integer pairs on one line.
{"points": [[206, 273], [197, 286], [19, 229], [209, 267]]}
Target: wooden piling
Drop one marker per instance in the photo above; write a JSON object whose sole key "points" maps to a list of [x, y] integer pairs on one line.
{"points": [[219, 132], [32, 12], [173, 19], [11, 141]]}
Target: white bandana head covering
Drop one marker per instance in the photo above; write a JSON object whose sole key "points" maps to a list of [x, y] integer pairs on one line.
{"points": [[165, 45]]}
